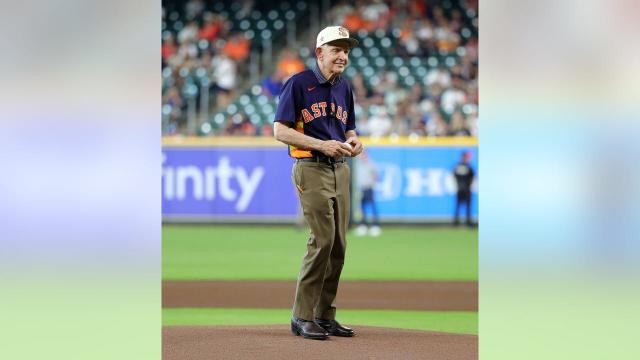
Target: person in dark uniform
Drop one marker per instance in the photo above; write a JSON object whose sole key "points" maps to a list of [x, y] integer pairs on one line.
{"points": [[464, 175], [315, 117]]}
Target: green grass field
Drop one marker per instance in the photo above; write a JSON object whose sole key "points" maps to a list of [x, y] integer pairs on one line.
{"points": [[462, 322], [275, 253]]}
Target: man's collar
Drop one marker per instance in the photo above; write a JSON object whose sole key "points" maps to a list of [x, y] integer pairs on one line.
{"points": [[321, 78]]}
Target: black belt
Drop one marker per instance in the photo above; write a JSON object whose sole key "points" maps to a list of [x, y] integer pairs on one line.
{"points": [[322, 159]]}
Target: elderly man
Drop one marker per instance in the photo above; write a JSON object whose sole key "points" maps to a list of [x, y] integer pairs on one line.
{"points": [[315, 117]]}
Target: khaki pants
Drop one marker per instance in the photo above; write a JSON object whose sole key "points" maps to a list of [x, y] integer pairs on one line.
{"points": [[323, 190]]}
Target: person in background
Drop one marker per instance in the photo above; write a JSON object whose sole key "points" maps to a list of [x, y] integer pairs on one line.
{"points": [[212, 27], [272, 85], [380, 123], [464, 175], [224, 76], [289, 64], [367, 178], [458, 126], [169, 48], [237, 47]]}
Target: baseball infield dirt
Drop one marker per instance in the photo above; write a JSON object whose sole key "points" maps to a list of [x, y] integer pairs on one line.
{"points": [[396, 295], [276, 342]]}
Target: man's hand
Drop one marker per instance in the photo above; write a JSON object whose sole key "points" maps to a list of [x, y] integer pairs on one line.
{"points": [[335, 149], [356, 145]]}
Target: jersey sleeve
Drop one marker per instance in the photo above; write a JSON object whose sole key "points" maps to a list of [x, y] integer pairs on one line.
{"points": [[286, 111], [351, 118]]}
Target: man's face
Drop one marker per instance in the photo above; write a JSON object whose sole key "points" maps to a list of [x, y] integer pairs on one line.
{"points": [[334, 56]]}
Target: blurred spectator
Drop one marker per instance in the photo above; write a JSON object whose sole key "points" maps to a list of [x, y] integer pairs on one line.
{"points": [[212, 27], [375, 15], [417, 126], [245, 10], [363, 125], [472, 96], [468, 69], [471, 50], [425, 32], [377, 96], [206, 62], [267, 130], [458, 126], [186, 51], [456, 21], [353, 21], [289, 64], [360, 90], [169, 47], [438, 75], [448, 40], [248, 128], [408, 43], [224, 78], [232, 125], [339, 12], [453, 97], [436, 125], [237, 47], [393, 93], [189, 33], [400, 126], [239, 125], [272, 85], [416, 95], [172, 100], [417, 7], [379, 123], [472, 123], [193, 8], [464, 175], [405, 111]]}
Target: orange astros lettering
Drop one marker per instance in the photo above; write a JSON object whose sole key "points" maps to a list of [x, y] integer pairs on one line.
{"points": [[319, 109], [323, 105], [307, 117], [316, 111]]}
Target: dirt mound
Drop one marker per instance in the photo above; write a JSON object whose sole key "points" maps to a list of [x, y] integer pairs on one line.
{"points": [[277, 342]]}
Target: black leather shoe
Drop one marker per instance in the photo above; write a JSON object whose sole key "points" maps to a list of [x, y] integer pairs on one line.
{"points": [[334, 328], [308, 329]]}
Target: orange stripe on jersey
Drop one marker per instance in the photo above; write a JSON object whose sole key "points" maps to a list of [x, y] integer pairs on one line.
{"points": [[294, 151], [298, 154]]}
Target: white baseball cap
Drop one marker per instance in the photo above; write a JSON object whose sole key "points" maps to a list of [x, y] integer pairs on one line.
{"points": [[333, 33]]}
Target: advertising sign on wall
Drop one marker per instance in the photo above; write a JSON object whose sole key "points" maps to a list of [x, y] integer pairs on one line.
{"points": [[236, 184]]}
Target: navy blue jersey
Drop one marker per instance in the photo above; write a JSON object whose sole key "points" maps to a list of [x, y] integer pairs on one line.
{"points": [[316, 108]]}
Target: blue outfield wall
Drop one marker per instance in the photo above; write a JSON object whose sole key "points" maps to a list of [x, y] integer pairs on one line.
{"points": [[253, 183], [417, 184]]}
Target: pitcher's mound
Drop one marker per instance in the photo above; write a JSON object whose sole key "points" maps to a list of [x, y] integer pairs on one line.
{"points": [[277, 342]]}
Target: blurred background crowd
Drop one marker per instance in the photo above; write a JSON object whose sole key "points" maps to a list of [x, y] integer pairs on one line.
{"points": [[414, 74]]}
